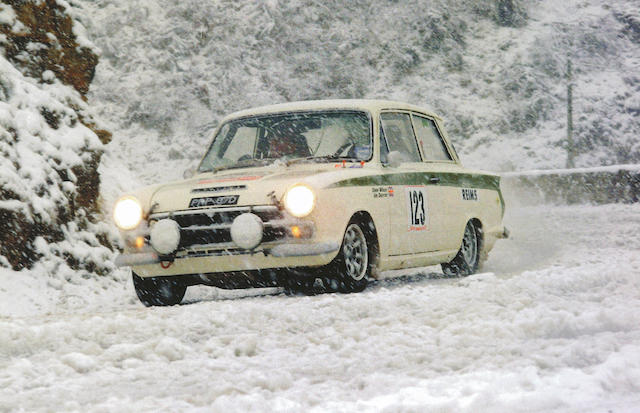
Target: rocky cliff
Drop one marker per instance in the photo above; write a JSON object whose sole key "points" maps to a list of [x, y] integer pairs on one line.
{"points": [[50, 145]]}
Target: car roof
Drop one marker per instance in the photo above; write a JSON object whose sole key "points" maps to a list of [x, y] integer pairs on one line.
{"points": [[372, 105]]}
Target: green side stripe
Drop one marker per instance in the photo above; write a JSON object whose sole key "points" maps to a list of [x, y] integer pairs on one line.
{"points": [[460, 180]]}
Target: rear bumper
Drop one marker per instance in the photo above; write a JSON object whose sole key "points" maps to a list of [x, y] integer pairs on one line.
{"points": [[500, 232], [282, 255]]}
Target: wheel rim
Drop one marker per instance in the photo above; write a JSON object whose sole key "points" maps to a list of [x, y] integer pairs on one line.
{"points": [[469, 245], [354, 250]]}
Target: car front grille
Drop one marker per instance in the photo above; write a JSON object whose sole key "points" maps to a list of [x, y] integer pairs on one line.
{"points": [[211, 228]]}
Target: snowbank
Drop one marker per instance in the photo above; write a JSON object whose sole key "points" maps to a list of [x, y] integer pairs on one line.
{"points": [[553, 325], [599, 185]]}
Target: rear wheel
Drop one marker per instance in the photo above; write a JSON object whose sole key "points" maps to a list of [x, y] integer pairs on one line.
{"points": [[158, 291], [467, 260]]}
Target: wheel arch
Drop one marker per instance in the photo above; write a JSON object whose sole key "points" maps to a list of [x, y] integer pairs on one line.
{"points": [[371, 233], [477, 223]]}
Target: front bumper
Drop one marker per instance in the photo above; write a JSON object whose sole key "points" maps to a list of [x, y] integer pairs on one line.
{"points": [[206, 245], [278, 251]]}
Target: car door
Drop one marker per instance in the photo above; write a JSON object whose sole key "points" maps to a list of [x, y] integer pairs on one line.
{"points": [[443, 192], [410, 219]]}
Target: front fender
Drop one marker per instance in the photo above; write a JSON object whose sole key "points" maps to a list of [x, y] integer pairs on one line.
{"points": [[332, 214]]}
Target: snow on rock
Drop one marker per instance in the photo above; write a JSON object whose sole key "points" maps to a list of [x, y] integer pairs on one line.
{"points": [[42, 36], [50, 146], [7, 15], [49, 178]]}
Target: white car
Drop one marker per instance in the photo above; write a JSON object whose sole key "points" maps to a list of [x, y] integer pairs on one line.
{"points": [[337, 190]]}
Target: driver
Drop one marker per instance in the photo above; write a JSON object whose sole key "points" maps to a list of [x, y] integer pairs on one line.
{"points": [[288, 144]]}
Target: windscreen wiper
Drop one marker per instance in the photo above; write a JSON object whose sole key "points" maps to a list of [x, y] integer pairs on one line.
{"points": [[324, 158], [242, 164]]}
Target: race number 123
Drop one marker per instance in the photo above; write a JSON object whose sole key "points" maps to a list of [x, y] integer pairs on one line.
{"points": [[417, 210]]}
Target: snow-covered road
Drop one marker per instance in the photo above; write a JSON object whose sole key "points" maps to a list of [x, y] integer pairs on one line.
{"points": [[552, 324]]}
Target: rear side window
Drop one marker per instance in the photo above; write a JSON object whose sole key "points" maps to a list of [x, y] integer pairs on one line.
{"points": [[433, 147], [398, 132]]}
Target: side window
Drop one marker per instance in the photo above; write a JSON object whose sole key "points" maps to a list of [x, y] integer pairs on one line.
{"points": [[398, 132], [433, 147]]}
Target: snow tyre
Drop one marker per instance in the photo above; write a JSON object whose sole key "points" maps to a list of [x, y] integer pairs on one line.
{"points": [[467, 261], [158, 291], [349, 272], [355, 260]]}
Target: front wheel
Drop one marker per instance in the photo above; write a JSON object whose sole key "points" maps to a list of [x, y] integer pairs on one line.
{"points": [[354, 261], [158, 291], [348, 272], [467, 260]]}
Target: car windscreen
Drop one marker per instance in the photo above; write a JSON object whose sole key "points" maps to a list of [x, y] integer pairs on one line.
{"points": [[302, 136]]}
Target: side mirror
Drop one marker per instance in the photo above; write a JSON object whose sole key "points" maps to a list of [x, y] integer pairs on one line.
{"points": [[189, 172], [395, 159]]}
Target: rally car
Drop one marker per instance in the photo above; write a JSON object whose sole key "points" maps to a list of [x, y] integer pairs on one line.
{"points": [[339, 189]]}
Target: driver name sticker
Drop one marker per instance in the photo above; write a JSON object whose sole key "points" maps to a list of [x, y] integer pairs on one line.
{"points": [[382, 191], [417, 208]]}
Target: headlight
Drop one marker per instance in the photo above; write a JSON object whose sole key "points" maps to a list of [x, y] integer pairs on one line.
{"points": [[127, 213], [299, 200]]}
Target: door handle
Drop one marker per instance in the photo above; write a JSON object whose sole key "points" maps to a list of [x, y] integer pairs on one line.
{"points": [[434, 180]]}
